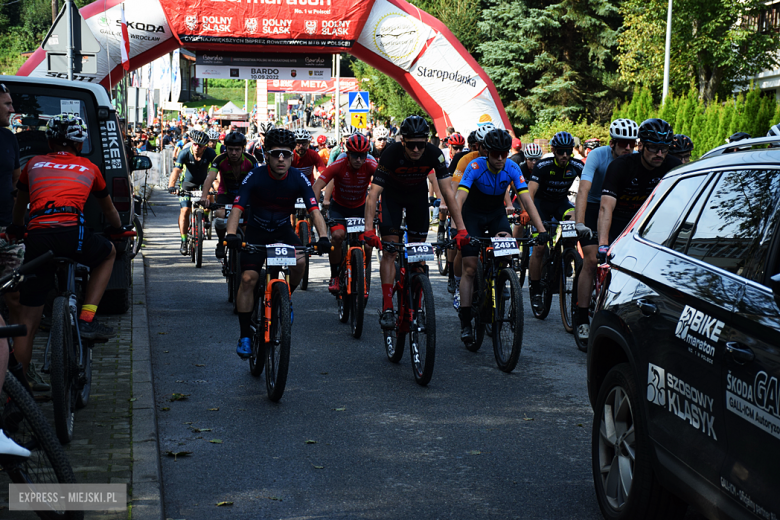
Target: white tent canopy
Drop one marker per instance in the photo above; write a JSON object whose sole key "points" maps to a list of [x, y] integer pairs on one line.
{"points": [[231, 110]]}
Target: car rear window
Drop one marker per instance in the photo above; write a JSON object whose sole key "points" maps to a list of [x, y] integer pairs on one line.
{"points": [[33, 111]]}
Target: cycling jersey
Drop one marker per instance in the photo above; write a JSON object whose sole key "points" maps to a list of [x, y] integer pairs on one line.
{"points": [[349, 186], [59, 180], [518, 158], [334, 153], [396, 172], [555, 181], [230, 181], [324, 155], [486, 189], [194, 170], [307, 162], [462, 166], [454, 162], [272, 201], [595, 170]]}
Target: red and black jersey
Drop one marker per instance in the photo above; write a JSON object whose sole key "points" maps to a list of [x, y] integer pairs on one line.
{"points": [[398, 173], [307, 162], [349, 186], [59, 180]]}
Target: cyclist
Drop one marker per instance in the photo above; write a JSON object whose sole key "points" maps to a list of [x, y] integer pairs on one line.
{"points": [[549, 187], [351, 177], [630, 179], [455, 143], [229, 170], [192, 167], [214, 141], [337, 150], [533, 152], [324, 151], [517, 157], [401, 180], [738, 136], [481, 199], [682, 146], [380, 141], [306, 159], [269, 193], [56, 186], [623, 134]]}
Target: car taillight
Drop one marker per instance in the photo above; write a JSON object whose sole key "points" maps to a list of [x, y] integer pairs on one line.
{"points": [[121, 194]]}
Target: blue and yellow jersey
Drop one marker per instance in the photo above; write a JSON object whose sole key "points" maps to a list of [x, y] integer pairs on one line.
{"points": [[486, 188]]}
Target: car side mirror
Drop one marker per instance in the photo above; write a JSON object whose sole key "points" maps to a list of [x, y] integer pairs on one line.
{"points": [[776, 288], [141, 162]]}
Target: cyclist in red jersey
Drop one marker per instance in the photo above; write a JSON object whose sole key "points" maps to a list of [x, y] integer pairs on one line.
{"points": [[305, 159], [351, 176], [57, 186]]}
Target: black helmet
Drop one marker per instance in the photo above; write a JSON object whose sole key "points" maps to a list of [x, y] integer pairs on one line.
{"points": [[414, 127], [199, 137], [497, 140], [235, 139], [738, 137], [277, 137], [472, 138], [562, 140], [656, 131], [681, 144]]}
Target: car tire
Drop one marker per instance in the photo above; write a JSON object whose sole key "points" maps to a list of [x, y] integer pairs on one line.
{"points": [[626, 485]]}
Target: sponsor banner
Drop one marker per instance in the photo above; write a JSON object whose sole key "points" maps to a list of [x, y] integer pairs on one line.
{"points": [[161, 76], [241, 72], [326, 23], [394, 35], [313, 86], [475, 113], [175, 75], [681, 399], [275, 60], [756, 401]]}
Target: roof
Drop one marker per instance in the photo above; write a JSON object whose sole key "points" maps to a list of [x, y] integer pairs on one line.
{"points": [[97, 90], [232, 109]]}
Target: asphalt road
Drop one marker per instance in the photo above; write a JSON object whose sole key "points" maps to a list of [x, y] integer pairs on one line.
{"points": [[354, 436]]}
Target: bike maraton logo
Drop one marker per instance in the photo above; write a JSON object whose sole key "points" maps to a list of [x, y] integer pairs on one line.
{"points": [[396, 36], [696, 328], [655, 385]]}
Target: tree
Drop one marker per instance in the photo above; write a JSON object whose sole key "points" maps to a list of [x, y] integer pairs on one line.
{"points": [[714, 44]]}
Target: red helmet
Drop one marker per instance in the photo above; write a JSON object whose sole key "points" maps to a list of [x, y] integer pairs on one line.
{"points": [[358, 143], [321, 139], [456, 140]]}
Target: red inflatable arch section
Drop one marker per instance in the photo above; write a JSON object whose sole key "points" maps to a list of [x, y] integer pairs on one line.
{"points": [[402, 41]]}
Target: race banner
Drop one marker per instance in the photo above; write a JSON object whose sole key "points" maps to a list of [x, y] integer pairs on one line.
{"points": [[313, 86]]}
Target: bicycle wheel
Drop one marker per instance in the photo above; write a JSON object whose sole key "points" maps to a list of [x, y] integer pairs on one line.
{"points": [[508, 324], [394, 340], [545, 283], [257, 359], [191, 239], [303, 234], [477, 301], [567, 291], [581, 345], [357, 299], [235, 279], [525, 258], [422, 333], [441, 259], [47, 463], [209, 224], [278, 348], [63, 389], [367, 272], [227, 272], [82, 397], [137, 240], [199, 238]]}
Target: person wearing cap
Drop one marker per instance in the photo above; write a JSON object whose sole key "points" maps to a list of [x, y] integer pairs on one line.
{"points": [[517, 156]]}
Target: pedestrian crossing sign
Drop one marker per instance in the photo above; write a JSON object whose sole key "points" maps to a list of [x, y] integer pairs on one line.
{"points": [[358, 101], [358, 119]]}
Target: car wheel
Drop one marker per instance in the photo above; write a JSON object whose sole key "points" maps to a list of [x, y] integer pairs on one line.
{"points": [[626, 486]]}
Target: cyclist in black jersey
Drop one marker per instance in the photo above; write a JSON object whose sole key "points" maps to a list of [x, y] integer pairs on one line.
{"points": [[549, 188], [532, 154], [191, 168], [401, 180]]}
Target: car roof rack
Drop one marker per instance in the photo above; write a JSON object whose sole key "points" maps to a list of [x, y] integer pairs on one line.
{"points": [[744, 145]]}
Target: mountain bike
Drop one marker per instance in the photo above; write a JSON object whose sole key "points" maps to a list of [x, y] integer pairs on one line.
{"points": [[353, 286], [24, 422], [520, 265], [302, 229], [195, 233], [598, 281], [497, 300], [441, 253], [415, 310], [231, 263]]}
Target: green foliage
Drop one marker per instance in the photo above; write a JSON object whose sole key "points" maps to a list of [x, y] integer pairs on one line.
{"points": [[581, 129]]}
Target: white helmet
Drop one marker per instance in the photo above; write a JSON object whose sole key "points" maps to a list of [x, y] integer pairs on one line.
{"points": [[349, 130], [623, 129], [381, 132], [774, 131], [213, 135], [533, 151], [302, 135], [483, 130]]}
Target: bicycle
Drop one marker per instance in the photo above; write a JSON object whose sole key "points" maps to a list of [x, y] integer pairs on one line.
{"points": [[441, 254], [560, 263], [415, 310], [520, 265], [353, 280], [24, 422], [195, 234], [598, 281], [231, 262], [302, 229], [497, 300]]}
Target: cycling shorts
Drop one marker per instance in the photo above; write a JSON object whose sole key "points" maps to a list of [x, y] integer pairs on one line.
{"points": [[185, 200], [416, 204], [553, 210], [63, 242], [591, 221], [336, 211], [477, 223], [282, 235]]}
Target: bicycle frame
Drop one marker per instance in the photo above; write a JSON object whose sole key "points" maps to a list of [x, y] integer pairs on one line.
{"points": [[67, 289]]}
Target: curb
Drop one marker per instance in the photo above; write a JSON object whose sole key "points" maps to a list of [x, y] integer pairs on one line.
{"points": [[146, 480]]}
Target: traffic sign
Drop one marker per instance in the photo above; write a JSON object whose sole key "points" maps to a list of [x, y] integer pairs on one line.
{"points": [[358, 101], [358, 119]]}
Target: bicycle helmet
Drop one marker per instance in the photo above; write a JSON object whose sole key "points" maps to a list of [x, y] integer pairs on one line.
{"points": [[592, 144], [623, 129], [322, 139], [277, 137], [456, 140], [680, 144], [381, 132], [302, 135], [331, 142], [738, 137], [472, 138], [235, 139], [358, 143], [497, 140], [349, 130], [656, 131], [213, 135], [199, 137], [66, 129], [562, 140], [482, 131], [533, 151], [415, 127], [265, 127], [774, 131]]}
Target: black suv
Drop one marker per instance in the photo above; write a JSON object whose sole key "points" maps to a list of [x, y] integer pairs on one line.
{"points": [[35, 100], [684, 350]]}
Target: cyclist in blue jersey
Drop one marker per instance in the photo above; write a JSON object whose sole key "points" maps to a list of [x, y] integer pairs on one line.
{"points": [[480, 197]]}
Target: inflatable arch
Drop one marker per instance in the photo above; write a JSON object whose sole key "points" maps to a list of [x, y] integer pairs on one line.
{"points": [[402, 41]]}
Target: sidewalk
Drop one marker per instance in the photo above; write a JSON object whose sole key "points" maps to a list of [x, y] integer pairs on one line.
{"points": [[115, 436]]}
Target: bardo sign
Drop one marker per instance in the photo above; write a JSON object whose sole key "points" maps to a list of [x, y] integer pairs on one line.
{"points": [[244, 72]]}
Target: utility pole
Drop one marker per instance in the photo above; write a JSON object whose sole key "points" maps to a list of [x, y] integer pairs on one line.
{"points": [[667, 52], [337, 97], [71, 45], [55, 9]]}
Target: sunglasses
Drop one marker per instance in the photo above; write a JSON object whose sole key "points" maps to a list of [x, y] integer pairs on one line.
{"points": [[499, 155], [4, 89], [457, 148], [280, 154], [357, 155], [626, 143], [383, 139], [655, 148], [532, 159], [563, 151], [415, 145]]}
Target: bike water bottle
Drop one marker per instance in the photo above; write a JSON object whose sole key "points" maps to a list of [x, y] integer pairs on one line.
{"points": [[73, 308]]}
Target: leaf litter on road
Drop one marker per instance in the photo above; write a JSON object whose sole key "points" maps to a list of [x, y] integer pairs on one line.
{"points": [[179, 397], [177, 454]]}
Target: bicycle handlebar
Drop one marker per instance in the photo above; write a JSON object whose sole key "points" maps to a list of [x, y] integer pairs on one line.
{"points": [[25, 269], [13, 331]]}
